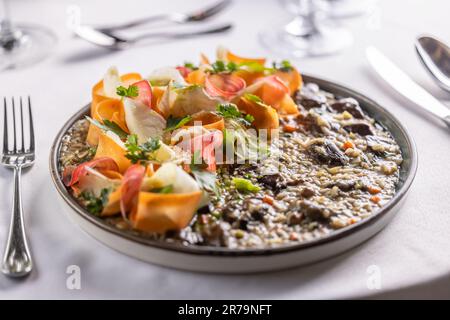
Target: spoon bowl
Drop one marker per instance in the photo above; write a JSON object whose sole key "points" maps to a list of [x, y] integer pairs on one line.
{"points": [[435, 56]]}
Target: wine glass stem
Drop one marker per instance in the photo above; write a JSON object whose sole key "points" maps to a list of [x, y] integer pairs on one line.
{"points": [[5, 23], [304, 24]]}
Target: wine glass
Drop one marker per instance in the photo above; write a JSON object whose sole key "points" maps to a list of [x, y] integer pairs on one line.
{"points": [[341, 9], [310, 33], [22, 44]]}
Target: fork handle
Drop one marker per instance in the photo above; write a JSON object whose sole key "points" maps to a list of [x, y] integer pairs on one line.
{"points": [[175, 35], [17, 259], [135, 23]]}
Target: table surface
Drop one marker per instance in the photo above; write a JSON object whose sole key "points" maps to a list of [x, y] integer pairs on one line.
{"points": [[410, 256]]}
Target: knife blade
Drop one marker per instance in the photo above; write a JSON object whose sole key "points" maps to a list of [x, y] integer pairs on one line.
{"points": [[401, 82]]}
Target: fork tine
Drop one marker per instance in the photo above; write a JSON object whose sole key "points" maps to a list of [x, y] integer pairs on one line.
{"points": [[31, 126], [5, 128], [14, 124], [22, 149]]}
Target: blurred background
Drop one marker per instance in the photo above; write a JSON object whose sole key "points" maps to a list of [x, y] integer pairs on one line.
{"points": [[392, 26]]}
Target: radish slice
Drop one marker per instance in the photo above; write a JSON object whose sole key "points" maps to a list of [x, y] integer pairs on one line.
{"points": [[131, 185], [270, 89], [277, 83], [187, 100], [144, 93], [206, 145], [103, 163], [224, 85], [184, 71]]}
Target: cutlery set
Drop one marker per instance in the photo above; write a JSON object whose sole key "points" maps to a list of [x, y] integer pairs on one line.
{"points": [[106, 37], [403, 84]]}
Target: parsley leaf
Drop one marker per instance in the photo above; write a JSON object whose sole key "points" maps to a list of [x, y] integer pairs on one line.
{"points": [[230, 111], [190, 65], [244, 185], [218, 66], [137, 153], [284, 66], [231, 66], [130, 92], [108, 125], [174, 123], [95, 204]]}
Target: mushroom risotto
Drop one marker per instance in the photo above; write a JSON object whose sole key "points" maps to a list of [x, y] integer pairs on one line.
{"points": [[230, 153]]}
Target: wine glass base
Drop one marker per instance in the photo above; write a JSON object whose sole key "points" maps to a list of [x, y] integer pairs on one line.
{"points": [[323, 41], [25, 45]]}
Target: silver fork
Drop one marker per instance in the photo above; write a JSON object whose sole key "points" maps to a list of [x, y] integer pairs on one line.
{"points": [[17, 258], [196, 16]]}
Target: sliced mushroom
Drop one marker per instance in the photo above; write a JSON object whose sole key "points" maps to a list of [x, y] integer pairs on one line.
{"points": [[272, 181], [351, 107], [328, 153], [361, 128], [309, 103], [315, 211]]}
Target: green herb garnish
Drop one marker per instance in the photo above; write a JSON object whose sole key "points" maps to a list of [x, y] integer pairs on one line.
{"points": [[253, 66], [190, 65], [174, 123], [114, 127], [165, 190], [284, 66], [230, 111], [253, 98], [130, 92], [95, 204], [244, 185], [220, 66], [249, 118], [206, 179], [108, 125], [231, 66], [140, 152]]}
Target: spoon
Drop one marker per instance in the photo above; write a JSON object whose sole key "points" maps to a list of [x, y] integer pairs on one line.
{"points": [[111, 41], [435, 56]]}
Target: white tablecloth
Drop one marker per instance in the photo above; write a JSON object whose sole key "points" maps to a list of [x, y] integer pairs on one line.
{"points": [[411, 255]]}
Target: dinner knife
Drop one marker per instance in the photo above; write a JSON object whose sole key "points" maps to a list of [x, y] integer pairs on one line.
{"points": [[401, 82]]}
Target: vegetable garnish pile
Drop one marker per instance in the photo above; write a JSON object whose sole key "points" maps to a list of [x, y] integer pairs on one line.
{"points": [[159, 142]]}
